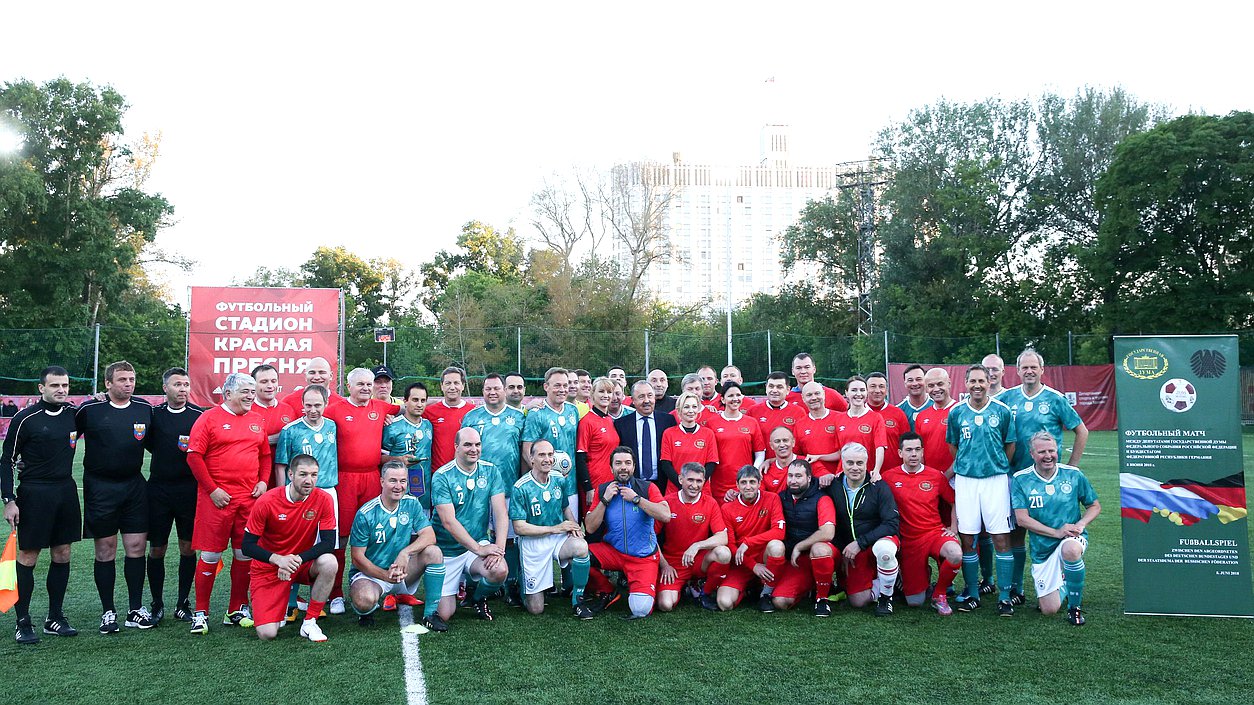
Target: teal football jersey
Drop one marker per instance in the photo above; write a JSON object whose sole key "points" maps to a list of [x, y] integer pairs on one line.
{"points": [[1048, 411], [560, 428], [1058, 501], [501, 434], [385, 534], [298, 438], [540, 504], [471, 496], [981, 437], [402, 437]]}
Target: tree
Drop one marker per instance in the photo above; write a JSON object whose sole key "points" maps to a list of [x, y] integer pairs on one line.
{"points": [[634, 200], [483, 249], [1176, 245]]}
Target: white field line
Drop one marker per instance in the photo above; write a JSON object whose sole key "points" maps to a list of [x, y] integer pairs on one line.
{"points": [[415, 684]]}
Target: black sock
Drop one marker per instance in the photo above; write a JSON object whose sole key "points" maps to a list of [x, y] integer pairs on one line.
{"points": [[25, 586], [106, 574], [133, 570], [187, 576], [58, 581], [156, 579]]}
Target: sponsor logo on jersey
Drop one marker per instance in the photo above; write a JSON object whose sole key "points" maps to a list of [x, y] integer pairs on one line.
{"points": [[140, 429], [183, 442], [926, 486], [831, 429], [890, 423]]}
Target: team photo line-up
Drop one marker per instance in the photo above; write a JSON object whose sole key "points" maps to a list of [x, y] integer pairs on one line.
{"points": [[803, 499]]}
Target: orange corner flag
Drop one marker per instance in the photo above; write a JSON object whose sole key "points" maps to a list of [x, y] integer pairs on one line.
{"points": [[8, 574]]}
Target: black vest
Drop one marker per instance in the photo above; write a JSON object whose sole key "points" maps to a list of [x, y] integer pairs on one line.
{"points": [[801, 515]]}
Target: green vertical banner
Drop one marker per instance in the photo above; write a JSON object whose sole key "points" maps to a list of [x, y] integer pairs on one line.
{"points": [[1186, 547]]}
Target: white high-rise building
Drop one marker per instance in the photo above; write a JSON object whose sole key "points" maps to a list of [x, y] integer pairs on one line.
{"points": [[725, 223]]}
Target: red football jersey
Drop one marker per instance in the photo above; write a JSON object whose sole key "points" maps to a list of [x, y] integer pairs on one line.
{"points": [[446, 421], [769, 418], [296, 401], [818, 437], [235, 449], [359, 434], [276, 416], [703, 418], [598, 438], [931, 425], [689, 524], [737, 442], [286, 527], [895, 424], [867, 429], [754, 524], [679, 447], [775, 479], [919, 496], [832, 399]]}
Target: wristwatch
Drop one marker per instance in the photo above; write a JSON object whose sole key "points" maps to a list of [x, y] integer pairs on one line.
{"points": [[636, 501]]}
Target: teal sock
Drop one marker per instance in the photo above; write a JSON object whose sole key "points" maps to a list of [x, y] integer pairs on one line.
{"points": [[1005, 567], [432, 586], [986, 551], [1021, 562], [1073, 577], [485, 590], [513, 563], [579, 568], [971, 574], [567, 578]]}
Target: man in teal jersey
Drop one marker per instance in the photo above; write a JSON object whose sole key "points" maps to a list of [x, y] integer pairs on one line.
{"points": [[393, 544], [1037, 408], [465, 493], [313, 435], [500, 428], [408, 440], [556, 421], [1047, 501], [916, 394], [980, 434], [547, 531]]}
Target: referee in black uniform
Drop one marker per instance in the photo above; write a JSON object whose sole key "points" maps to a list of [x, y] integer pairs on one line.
{"points": [[171, 491], [45, 508], [115, 496]]}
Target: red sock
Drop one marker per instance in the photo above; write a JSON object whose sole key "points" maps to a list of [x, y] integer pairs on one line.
{"points": [[822, 569], [714, 579], [337, 590], [315, 608], [240, 571], [775, 565], [946, 578], [206, 573], [598, 583]]}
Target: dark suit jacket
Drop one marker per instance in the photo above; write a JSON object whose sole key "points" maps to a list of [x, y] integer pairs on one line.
{"points": [[626, 427]]}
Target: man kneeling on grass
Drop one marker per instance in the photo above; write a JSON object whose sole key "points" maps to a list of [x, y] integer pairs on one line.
{"points": [[393, 544], [289, 536]]}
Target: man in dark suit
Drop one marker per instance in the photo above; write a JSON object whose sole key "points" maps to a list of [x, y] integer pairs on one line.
{"points": [[642, 432]]}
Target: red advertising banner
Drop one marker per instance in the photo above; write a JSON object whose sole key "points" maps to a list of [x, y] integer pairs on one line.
{"points": [[234, 329], [1089, 388]]}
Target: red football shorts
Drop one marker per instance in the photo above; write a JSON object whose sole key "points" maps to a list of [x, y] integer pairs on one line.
{"points": [[860, 572], [269, 594], [683, 573], [913, 558], [641, 572], [354, 490], [795, 581], [214, 528]]}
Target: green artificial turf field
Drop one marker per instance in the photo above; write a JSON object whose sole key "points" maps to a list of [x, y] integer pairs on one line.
{"points": [[690, 656]]}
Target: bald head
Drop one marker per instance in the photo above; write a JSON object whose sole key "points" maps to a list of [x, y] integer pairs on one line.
{"points": [[936, 381], [812, 395], [318, 371]]}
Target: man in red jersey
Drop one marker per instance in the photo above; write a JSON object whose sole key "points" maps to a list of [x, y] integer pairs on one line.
{"points": [[895, 421], [804, 371], [809, 527], [318, 372], [446, 416], [694, 543], [755, 526], [816, 436], [775, 469], [710, 397], [267, 404], [289, 537], [359, 423], [921, 492], [932, 423], [229, 455], [777, 411]]}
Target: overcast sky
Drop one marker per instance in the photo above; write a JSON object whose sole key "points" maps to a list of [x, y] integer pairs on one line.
{"points": [[290, 126]]}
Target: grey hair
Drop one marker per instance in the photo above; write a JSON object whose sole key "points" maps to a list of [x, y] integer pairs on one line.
{"points": [[359, 372], [851, 449], [235, 380], [1030, 351]]}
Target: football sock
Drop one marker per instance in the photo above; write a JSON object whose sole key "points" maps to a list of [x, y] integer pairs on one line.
{"points": [[1021, 561], [106, 574], [514, 564], [776, 566], [1005, 567], [432, 587], [1073, 577], [715, 577], [337, 590], [156, 579], [948, 572], [579, 567], [485, 590], [567, 578], [240, 570], [25, 586], [598, 583], [58, 581], [986, 551], [971, 574], [133, 573], [315, 609], [206, 574], [187, 576], [822, 569]]}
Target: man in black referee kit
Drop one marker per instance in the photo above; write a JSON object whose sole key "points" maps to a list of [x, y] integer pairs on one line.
{"points": [[115, 496], [171, 491], [44, 510]]}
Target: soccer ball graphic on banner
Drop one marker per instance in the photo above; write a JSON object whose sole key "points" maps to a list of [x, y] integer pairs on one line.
{"points": [[1178, 395]]}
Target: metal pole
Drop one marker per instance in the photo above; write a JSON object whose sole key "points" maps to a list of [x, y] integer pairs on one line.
{"points": [[187, 337], [1070, 352], [518, 331], [770, 366], [885, 352], [339, 372], [95, 374], [728, 264], [646, 352], [385, 353], [997, 342]]}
